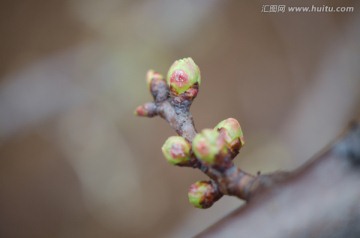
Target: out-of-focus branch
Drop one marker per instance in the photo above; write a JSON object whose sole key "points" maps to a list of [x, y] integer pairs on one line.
{"points": [[320, 199]]}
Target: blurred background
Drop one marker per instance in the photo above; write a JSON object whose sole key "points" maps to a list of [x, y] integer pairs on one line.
{"points": [[76, 162]]}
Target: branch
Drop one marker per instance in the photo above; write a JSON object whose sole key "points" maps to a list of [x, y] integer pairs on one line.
{"points": [[320, 199], [212, 151]]}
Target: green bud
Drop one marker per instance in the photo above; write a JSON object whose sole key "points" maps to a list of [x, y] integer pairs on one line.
{"points": [[176, 150], [232, 133], [207, 144], [202, 194], [183, 74]]}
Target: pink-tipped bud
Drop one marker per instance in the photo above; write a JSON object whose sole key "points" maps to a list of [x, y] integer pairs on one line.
{"points": [[202, 194], [232, 133], [207, 145], [146, 110], [176, 150], [183, 75]]}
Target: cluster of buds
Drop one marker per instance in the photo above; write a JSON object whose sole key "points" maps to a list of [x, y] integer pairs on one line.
{"points": [[211, 150], [214, 149], [210, 146]]}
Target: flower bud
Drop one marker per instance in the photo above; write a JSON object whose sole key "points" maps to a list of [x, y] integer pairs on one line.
{"points": [[146, 110], [152, 75], [157, 86], [230, 130], [231, 133], [176, 150], [202, 194], [183, 74], [207, 145]]}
